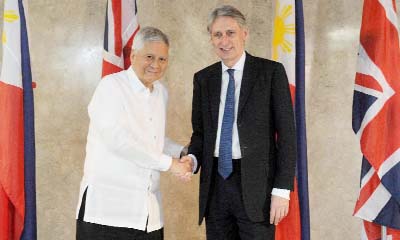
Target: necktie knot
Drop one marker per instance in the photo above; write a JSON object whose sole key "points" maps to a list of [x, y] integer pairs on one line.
{"points": [[231, 72]]}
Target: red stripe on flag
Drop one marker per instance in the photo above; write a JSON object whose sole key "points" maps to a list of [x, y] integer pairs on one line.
{"points": [[368, 81], [12, 198], [117, 13], [366, 191], [292, 89], [11, 223], [394, 233], [109, 68], [372, 230]]}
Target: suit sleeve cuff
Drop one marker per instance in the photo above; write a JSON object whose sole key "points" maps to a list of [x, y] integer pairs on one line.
{"points": [[194, 162], [283, 193]]}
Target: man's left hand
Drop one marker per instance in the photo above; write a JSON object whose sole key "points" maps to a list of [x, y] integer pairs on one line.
{"points": [[279, 209]]}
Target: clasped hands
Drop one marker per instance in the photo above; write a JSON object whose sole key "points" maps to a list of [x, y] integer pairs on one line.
{"points": [[182, 168]]}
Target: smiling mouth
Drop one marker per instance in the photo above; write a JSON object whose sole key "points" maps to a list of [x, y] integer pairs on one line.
{"points": [[225, 49]]}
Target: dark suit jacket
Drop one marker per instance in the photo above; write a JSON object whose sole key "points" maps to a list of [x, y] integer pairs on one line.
{"points": [[265, 111]]}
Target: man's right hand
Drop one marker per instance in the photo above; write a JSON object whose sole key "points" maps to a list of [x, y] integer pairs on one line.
{"points": [[182, 168], [279, 209]]}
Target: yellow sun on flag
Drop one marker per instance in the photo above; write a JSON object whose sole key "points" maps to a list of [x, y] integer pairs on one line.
{"points": [[9, 16], [281, 28]]}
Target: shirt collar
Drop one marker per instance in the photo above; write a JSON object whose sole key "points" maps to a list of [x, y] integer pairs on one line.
{"points": [[239, 65], [136, 84]]}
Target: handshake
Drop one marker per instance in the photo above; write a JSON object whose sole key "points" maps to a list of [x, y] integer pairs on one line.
{"points": [[182, 168]]}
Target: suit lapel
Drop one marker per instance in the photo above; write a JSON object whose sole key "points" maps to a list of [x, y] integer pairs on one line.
{"points": [[214, 90], [248, 81]]}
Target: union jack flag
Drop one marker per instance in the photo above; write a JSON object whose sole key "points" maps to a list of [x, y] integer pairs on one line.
{"points": [[376, 118], [120, 30]]}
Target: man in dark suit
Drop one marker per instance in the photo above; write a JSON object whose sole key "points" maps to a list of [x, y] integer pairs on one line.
{"points": [[243, 136]]}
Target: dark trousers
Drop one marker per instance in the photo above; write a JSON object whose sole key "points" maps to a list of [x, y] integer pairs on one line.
{"points": [[226, 218], [93, 231]]}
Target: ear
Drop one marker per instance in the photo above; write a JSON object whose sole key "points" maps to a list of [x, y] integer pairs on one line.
{"points": [[132, 56], [245, 33]]}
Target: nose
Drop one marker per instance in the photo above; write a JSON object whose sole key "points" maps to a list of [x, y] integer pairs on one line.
{"points": [[155, 63], [224, 40]]}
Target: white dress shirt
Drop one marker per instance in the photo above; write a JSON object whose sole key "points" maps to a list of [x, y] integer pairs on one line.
{"points": [[238, 75], [236, 153], [124, 153]]}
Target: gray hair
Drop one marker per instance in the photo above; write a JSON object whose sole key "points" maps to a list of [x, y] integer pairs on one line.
{"points": [[149, 34], [226, 11]]}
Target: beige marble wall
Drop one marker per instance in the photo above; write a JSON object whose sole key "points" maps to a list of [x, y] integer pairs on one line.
{"points": [[66, 42]]}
